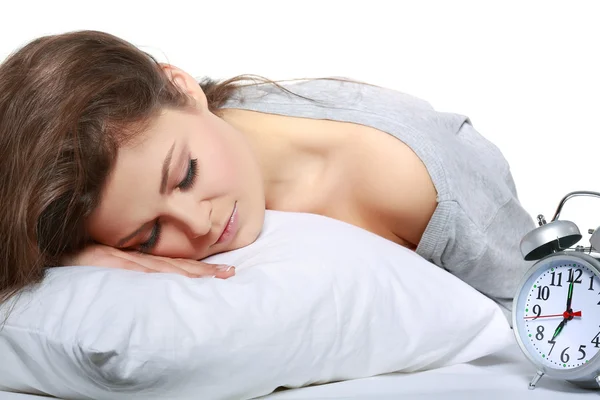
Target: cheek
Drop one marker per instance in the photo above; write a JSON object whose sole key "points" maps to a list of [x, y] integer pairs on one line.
{"points": [[98, 231], [227, 165], [220, 173], [231, 167], [175, 244]]}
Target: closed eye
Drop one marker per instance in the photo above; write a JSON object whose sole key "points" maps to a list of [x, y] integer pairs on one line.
{"points": [[149, 244], [185, 184], [190, 177]]}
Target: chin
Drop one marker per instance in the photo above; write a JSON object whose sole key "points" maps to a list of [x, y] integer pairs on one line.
{"points": [[246, 238], [250, 231]]}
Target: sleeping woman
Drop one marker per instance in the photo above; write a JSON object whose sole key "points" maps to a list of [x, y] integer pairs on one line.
{"points": [[112, 159]]}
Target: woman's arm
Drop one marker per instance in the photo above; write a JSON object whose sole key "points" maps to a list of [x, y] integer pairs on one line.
{"points": [[97, 255]]}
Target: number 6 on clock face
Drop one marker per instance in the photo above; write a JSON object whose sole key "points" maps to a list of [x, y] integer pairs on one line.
{"points": [[557, 315]]}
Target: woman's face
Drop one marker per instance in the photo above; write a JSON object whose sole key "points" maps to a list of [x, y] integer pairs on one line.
{"points": [[175, 192]]}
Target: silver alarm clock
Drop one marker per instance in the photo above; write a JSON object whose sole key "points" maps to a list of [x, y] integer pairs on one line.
{"points": [[556, 310]]}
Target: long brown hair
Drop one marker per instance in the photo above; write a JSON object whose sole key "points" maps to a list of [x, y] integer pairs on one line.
{"points": [[67, 102]]}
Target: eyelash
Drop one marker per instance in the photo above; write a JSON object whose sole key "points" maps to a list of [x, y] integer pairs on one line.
{"points": [[185, 184], [189, 179], [154, 236]]}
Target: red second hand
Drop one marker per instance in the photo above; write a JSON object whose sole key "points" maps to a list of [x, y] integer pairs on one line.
{"points": [[566, 314]]}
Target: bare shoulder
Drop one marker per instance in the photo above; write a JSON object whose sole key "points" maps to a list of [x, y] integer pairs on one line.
{"points": [[390, 183], [372, 179]]}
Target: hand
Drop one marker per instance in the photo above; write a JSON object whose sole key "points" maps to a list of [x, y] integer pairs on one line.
{"points": [[105, 256], [569, 296], [568, 315], [559, 328]]}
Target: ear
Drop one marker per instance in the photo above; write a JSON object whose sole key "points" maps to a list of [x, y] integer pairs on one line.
{"points": [[186, 83]]}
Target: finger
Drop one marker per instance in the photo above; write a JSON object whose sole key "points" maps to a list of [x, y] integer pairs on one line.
{"points": [[133, 266], [182, 266], [225, 271], [167, 266], [155, 263], [202, 268]]}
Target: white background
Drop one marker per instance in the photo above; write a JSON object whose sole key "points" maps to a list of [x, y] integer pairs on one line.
{"points": [[526, 72]]}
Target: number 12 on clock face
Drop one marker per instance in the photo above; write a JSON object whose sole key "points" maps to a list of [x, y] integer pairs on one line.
{"points": [[559, 315]]}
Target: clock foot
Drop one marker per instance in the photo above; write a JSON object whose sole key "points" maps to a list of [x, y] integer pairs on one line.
{"points": [[536, 378]]}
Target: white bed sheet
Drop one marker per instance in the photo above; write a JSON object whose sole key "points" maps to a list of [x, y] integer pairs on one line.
{"points": [[504, 375]]}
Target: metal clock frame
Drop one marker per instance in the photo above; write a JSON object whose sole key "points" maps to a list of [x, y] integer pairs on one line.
{"points": [[587, 375]]}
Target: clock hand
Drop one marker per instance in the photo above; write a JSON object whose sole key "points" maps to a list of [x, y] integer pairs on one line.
{"points": [[570, 296], [559, 328], [566, 314]]}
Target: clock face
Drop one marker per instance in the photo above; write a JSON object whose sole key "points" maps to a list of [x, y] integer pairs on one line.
{"points": [[558, 313]]}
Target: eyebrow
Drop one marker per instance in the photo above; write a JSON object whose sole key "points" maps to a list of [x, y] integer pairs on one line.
{"points": [[127, 238], [165, 169], [163, 187]]}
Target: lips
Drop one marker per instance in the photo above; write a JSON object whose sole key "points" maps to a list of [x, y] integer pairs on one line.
{"points": [[231, 228]]}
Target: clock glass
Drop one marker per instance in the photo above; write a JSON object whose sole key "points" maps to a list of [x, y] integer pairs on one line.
{"points": [[557, 314]]}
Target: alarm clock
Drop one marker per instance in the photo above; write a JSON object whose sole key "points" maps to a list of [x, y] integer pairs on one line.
{"points": [[556, 309]]}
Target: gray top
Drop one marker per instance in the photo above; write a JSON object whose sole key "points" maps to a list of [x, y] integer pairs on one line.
{"points": [[478, 223]]}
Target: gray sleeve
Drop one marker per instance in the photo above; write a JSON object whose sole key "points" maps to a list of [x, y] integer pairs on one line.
{"points": [[500, 267], [487, 225]]}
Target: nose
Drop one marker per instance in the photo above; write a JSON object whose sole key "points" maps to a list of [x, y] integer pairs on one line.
{"points": [[194, 217]]}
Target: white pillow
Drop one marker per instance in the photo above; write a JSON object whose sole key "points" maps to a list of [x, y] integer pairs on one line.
{"points": [[314, 300]]}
